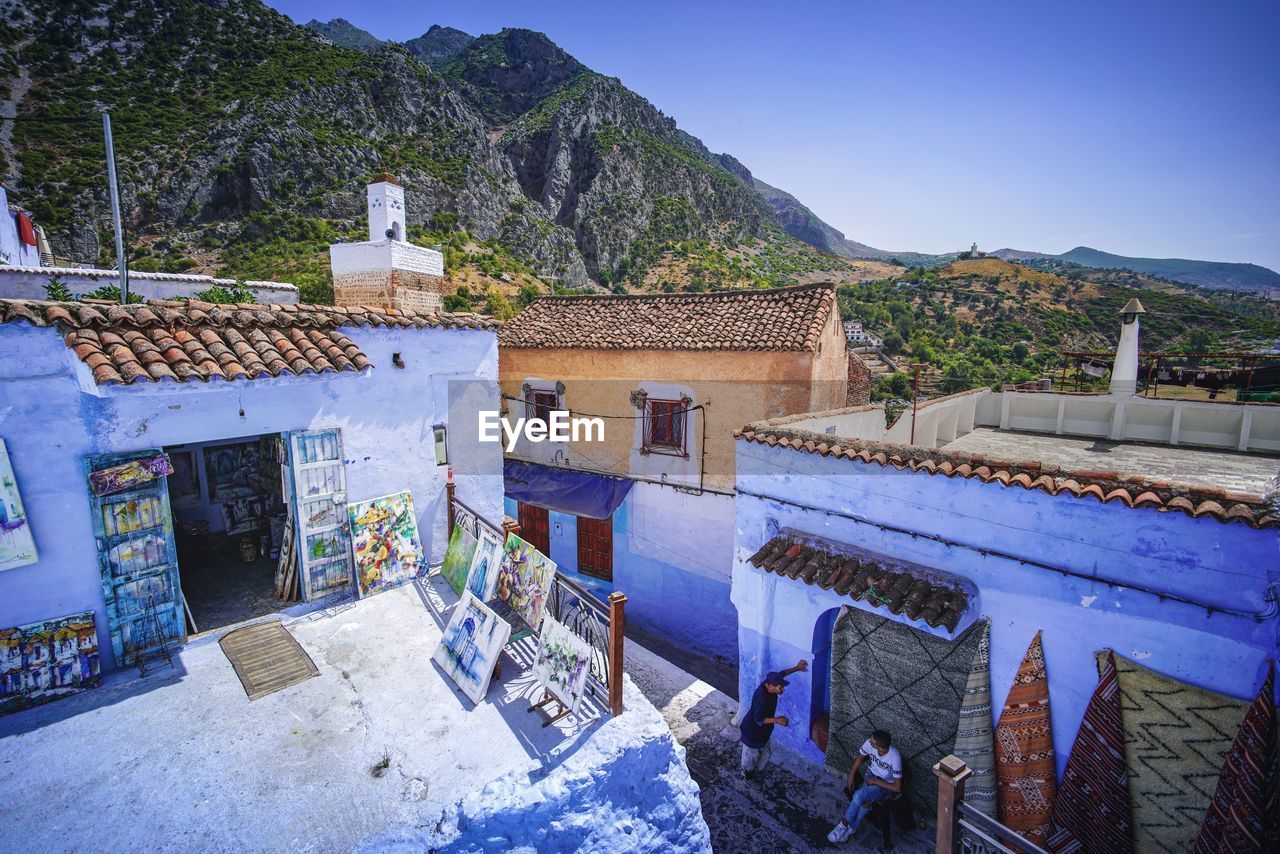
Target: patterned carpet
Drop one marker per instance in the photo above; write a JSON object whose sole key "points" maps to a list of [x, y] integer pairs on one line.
{"points": [[885, 675], [1176, 739], [1026, 778], [1092, 813], [975, 742], [1237, 821]]}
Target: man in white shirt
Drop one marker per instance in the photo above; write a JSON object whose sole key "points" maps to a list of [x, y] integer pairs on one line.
{"points": [[883, 780]]}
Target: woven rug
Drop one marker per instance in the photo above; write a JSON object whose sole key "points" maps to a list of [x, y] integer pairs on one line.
{"points": [[1234, 821], [975, 742], [885, 675], [1176, 737], [266, 658], [1026, 779], [1091, 812]]}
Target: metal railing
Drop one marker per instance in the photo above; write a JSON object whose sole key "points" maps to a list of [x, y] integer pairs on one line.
{"points": [[598, 622]]}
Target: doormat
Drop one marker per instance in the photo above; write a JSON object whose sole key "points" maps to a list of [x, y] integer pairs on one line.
{"points": [[267, 658], [885, 675]]}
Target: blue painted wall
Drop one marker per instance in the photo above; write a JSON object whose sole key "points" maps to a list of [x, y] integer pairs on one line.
{"points": [[671, 557], [1227, 565], [52, 417]]}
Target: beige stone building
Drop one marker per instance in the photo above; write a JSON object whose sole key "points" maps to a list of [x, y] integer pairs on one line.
{"points": [[670, 377]]}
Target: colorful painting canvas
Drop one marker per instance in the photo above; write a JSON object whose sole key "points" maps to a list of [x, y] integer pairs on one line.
{"points": [[384, 539], [17, 548], [47, 660], [524, 579], [129, 475], [563, 662], [482, 578], [457, 558], [470, 646]]}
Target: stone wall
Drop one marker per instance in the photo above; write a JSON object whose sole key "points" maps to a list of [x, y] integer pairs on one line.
{"points": [[387, 274], [859, 389]]}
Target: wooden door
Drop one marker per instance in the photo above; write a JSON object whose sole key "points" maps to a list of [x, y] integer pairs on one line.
{"points": [[139, 562], [595, 547], [320, 495], [535, 527]]}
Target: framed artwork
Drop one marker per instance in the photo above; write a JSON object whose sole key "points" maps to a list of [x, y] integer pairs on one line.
{"points": [[563, 662], [385, 543], [233, 471], [470, 646], [457, 558], [482, 578], [17, 548], [47, 660], [524, 579]]}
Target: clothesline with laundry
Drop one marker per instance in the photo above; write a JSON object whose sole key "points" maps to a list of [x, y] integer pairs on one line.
{"points": [[22, 241]]}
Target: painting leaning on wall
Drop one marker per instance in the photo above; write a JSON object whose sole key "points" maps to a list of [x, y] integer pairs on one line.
{"points": [[17, 547]]}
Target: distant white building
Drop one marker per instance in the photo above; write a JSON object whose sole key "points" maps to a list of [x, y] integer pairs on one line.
{"points": [[385, 271], [857, 337]]}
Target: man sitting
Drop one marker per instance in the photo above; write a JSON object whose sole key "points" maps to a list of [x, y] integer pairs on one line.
{"points": [[883, 780]]}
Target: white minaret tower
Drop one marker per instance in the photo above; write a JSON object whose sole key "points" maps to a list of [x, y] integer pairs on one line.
{"points": [[386, 209], [386, 270], [1124, 372]]}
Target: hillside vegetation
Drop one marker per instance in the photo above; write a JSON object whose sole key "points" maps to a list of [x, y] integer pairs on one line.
{"points": [[990, 321]]}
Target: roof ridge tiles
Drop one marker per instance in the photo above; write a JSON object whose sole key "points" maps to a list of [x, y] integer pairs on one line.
{"points": [[1106, 486]]}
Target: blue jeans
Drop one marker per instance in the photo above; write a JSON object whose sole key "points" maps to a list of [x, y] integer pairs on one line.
{"points": [[861, 803]]}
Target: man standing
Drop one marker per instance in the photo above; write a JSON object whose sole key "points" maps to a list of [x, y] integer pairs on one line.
{"points": [[758, 723], [883, 780]]}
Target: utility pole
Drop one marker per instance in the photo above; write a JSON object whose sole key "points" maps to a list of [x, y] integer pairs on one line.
{"points": [[915, 398], [121, 270]]}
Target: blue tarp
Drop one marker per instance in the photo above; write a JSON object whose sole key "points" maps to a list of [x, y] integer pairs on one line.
{"points": [[579, 493]]}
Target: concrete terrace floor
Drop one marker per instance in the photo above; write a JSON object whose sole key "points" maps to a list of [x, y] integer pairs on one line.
{"points": [[790, 806], [182, 760], [1178, 463]]}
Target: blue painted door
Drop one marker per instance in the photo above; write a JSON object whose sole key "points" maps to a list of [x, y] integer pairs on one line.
{"points": [[320, 496], [138, 560]]}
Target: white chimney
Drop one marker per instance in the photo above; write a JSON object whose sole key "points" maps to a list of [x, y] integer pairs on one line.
{"points": [[1124, 372], [386, 210]]}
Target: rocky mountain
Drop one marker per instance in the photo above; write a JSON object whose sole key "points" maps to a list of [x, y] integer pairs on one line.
{"points": [[438, 45], [244, 142], [343, 33]]}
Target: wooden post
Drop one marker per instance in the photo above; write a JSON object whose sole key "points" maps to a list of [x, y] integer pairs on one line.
{"points": [[617, 621], [951, 773], [449, 489]]}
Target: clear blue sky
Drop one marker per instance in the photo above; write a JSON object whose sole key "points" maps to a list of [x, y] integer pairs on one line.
{"points": [[1138, 128]]}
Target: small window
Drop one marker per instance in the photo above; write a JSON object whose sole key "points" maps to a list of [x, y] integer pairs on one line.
{"points": [[664, 427], [538, 404]]}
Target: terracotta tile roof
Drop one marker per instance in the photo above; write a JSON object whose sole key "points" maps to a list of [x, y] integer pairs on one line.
{"points": [[180, 341], [897, 587], [1105, 486], [776, 319]]}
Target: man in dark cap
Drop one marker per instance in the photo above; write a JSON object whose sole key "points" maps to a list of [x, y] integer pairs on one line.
{"points": [[760, 719]]}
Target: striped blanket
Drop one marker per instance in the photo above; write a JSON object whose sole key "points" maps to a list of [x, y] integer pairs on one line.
{"points": [[1026, 780], [1092, 812]]}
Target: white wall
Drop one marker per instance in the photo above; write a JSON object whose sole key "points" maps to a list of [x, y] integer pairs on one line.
{"points": [[30, 282]]}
